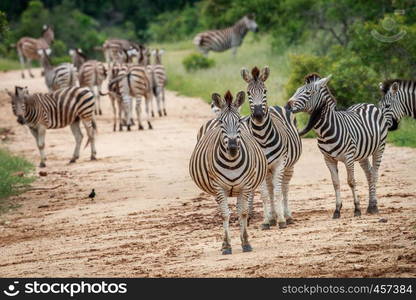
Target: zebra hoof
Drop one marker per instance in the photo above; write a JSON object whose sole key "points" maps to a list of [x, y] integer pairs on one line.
{"points": [[93, 158], [265, 226], [153, 114], [32, 76], [227, 251], [357, 213], [23, 76], [160, 113], [42, 165], [128, 128], [272, 222], [100, 112], [336, 215], [114, 128], [72, 160], [150, 125], [282, 225], [164, 112], [372, 209], [289, 221], [247, 248], [141, 127]]}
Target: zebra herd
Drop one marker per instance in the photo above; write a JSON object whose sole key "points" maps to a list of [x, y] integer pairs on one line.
{"points": [[226, 161], [75, 89]]}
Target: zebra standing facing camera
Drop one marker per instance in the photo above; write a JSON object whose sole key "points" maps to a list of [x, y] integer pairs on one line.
{"points": [[224, 39], [68, 106], [274, 128], [228, 162], [347, 136]]}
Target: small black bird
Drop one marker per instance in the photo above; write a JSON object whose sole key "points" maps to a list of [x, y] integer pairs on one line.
{"points": [[92, 194]]}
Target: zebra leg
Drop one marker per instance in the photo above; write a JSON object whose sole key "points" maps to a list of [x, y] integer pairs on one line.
{"points": [[113, 106], [139, 113], [163, 101], [372, 204], [266, 196], [120, 114], [287, 176], [29, 65], [234, 51], [22, 63], [333, 168], [158, 100], [250, 208], [76, 131], [147, 100], [277, 205], [98, 99], [127, 110], [90, 127], [242, 208], [351, 182], [225, 213], [39, 134]]}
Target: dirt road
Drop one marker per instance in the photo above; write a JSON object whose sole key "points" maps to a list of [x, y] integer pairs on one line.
{"points": [[149, 219]]}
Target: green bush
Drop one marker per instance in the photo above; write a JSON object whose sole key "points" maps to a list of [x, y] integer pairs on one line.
{"points": [[196, 61]]}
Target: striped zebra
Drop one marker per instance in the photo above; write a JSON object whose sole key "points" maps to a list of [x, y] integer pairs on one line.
{"points": [[159, 80], [55, 110], [28, 48], [133, 82], [115, 97], [227, 162], [224, 39], [91, 73], [61, 76], [113, 47], [399, 99], [274, 128], [346, 136]]}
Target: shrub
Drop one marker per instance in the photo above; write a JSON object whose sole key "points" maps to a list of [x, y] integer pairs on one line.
{"points": [[196, 61]]}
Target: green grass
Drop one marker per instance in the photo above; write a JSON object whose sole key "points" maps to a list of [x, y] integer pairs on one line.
{"points": [[405, 135], [8, 64], [10, 181]]}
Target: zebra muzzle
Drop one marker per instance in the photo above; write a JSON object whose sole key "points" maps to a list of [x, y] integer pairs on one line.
{"points": [[21, 120], [233, 148]]}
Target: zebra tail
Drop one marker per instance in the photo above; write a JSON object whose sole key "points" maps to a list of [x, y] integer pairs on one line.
{"points": [[198, 40]]}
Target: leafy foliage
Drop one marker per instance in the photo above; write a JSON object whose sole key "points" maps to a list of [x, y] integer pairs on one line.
{"points": [[197, 61]]}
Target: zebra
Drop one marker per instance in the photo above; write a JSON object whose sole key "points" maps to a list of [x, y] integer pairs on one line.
{"points": [[113, 47], [68, 106], [228, 162], [346, 136], [224, 39], [28, 48], [91, 73], [133, 82], [61, 76], [159, 79], [115, 96], [275, 130], [398, 100]]}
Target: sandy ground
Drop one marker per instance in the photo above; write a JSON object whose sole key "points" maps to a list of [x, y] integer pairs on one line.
{"points": [[149, 219]]}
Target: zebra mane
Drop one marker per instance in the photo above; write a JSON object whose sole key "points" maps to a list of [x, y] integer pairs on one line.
{"points": [[228, 97], [255, 73], [385, 85], [80, 53], [312, 77]]}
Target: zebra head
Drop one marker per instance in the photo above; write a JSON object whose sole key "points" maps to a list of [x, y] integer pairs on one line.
{"points": [[256, 92], [229, 119], [48, 34], [390, 104], [250, 22], [308, 98], [18, 103]]}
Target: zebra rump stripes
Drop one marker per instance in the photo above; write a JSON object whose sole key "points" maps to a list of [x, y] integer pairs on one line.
{"points": [[224, 39], [228, 162], [59, 109], [346, 136]]}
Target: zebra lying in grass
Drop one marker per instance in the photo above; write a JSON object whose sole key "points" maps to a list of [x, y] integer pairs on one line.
{"points": [[274, 129], [347, 136], [59, 109], [228, 162], [399, 100], [224, 39], [61, 76]]}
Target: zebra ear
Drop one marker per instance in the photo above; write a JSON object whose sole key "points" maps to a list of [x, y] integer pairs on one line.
{"points": [[394, 87], [264, 73], [246, 75], [323, 81], [216, 99], [239, 100], [161, 51], [71, 52]]}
